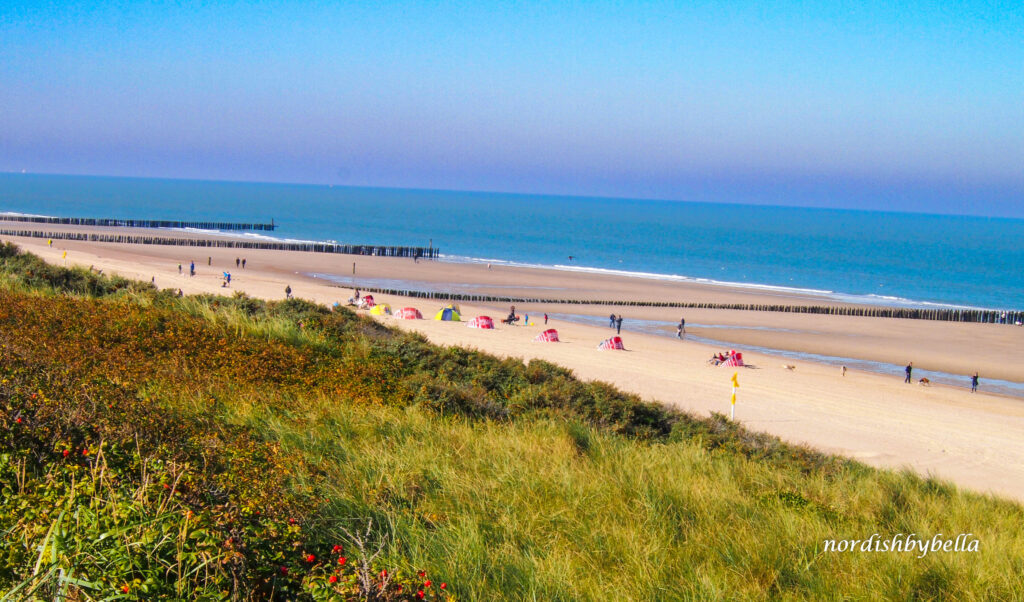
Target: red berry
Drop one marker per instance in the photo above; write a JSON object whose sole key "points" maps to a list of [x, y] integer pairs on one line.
{"points": [[422, 574], [336, 549], [284, 570], [427, 583], [384, 573], [333, 579], [419, 594], [125, 588], [66, 452], [342, 560], [85, 452], [18, 420], [444, 585], [310, 558]]}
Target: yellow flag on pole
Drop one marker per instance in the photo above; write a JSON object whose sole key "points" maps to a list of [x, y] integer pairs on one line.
{"points": [[735, 379], [734, 397], [65, 255]]}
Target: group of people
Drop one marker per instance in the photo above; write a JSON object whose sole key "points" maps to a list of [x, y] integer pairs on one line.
{"points": [[513, 318], [239, 262], [719, 358], [615, 322]]}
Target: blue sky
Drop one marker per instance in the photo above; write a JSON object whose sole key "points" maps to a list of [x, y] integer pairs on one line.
{"points": [[912, 106]]}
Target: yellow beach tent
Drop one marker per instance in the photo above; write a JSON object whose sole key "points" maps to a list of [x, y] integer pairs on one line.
{"points": [[381, 309]]}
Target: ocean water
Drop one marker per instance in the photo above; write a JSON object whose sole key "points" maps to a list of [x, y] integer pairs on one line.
{"points": [[862, 256]]}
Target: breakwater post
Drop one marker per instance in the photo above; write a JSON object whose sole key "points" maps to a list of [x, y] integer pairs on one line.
{"points": [[990, 316], [136, 223], [309, 247]]}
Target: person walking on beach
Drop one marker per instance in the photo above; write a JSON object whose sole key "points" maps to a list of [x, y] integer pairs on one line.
{"points": [[974, 383], [209, 261], [243, 263], [545, 319], [179, 269], [192, 269], [238, 262], [908, 370], [288, 292], [842, 370], [679, 332], [618, 324], [682, 325], [611, 321]]}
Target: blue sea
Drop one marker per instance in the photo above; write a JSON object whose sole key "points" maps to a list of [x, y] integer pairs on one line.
{"points": [[857, 256]]}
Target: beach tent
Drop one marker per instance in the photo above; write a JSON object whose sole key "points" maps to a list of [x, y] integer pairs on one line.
{"points": [[366, 302], [409, 313], [612, 343], [449, 313], [548, 336], [735, 359], [381, 309], [482, 322]]}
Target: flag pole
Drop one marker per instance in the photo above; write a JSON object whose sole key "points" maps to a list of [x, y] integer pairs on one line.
{"points": [[732, 405]]}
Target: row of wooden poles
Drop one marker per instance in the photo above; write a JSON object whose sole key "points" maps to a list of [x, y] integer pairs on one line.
{"points": [[948, 315], [312, 247], [135, 223]]}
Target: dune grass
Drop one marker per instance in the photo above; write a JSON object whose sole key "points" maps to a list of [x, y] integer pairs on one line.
{"points": [[208, 448]]}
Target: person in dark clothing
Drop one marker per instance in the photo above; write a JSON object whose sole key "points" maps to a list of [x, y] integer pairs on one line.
{"points": [[611, 321], [545, 319], [288, 292], [238, 262], [618, 324], [908, 370], [682, 325], [974, 383], [192, 269], [243, 263]]}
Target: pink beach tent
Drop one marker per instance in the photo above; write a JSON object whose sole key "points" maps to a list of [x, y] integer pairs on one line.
{"points": [[612, 343], [548, 336], [366, 302], [735, 359], [482, 322], [409, 313]]}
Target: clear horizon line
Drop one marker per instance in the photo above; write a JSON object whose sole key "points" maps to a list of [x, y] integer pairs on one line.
{"points": [[523, 194]]}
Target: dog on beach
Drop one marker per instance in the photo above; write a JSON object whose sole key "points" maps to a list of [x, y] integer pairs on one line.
{"points": [[789, 367], [924, 382]]}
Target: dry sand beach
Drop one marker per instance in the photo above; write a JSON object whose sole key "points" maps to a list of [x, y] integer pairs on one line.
{"points": [[971, 439]]}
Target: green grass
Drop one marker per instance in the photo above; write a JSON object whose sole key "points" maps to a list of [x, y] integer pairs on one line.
{"points": [[227, 441]]}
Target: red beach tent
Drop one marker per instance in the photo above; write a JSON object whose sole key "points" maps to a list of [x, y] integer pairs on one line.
{"points": [[735, 359], [482, 322], [409, 313], [612, 343], [548, 336]]}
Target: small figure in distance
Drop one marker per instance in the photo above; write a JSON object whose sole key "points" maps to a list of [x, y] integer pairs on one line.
{"points": [[842, 370], [288, 292], [618, 324], [238, 262], [545, 319], [243, 263], [974, 383], [611, 321], [908, 370]]}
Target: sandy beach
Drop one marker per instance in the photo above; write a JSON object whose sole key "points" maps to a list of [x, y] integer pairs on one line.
{"points": [[970, 439]]}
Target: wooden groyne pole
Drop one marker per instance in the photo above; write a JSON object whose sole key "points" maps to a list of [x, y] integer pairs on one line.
{"points": [[990, 316], [136, 223], [311, 247]]}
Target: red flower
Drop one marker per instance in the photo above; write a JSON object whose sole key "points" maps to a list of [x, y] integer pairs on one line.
{"points": [[66, 452], [420, 594], [342, 560], [427, 583], [336, 549], [310, 558], [333, 579], [444, 585]]}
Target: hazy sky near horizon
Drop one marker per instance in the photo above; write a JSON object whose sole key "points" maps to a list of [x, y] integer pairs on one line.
{"points": [[914, 106]]}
